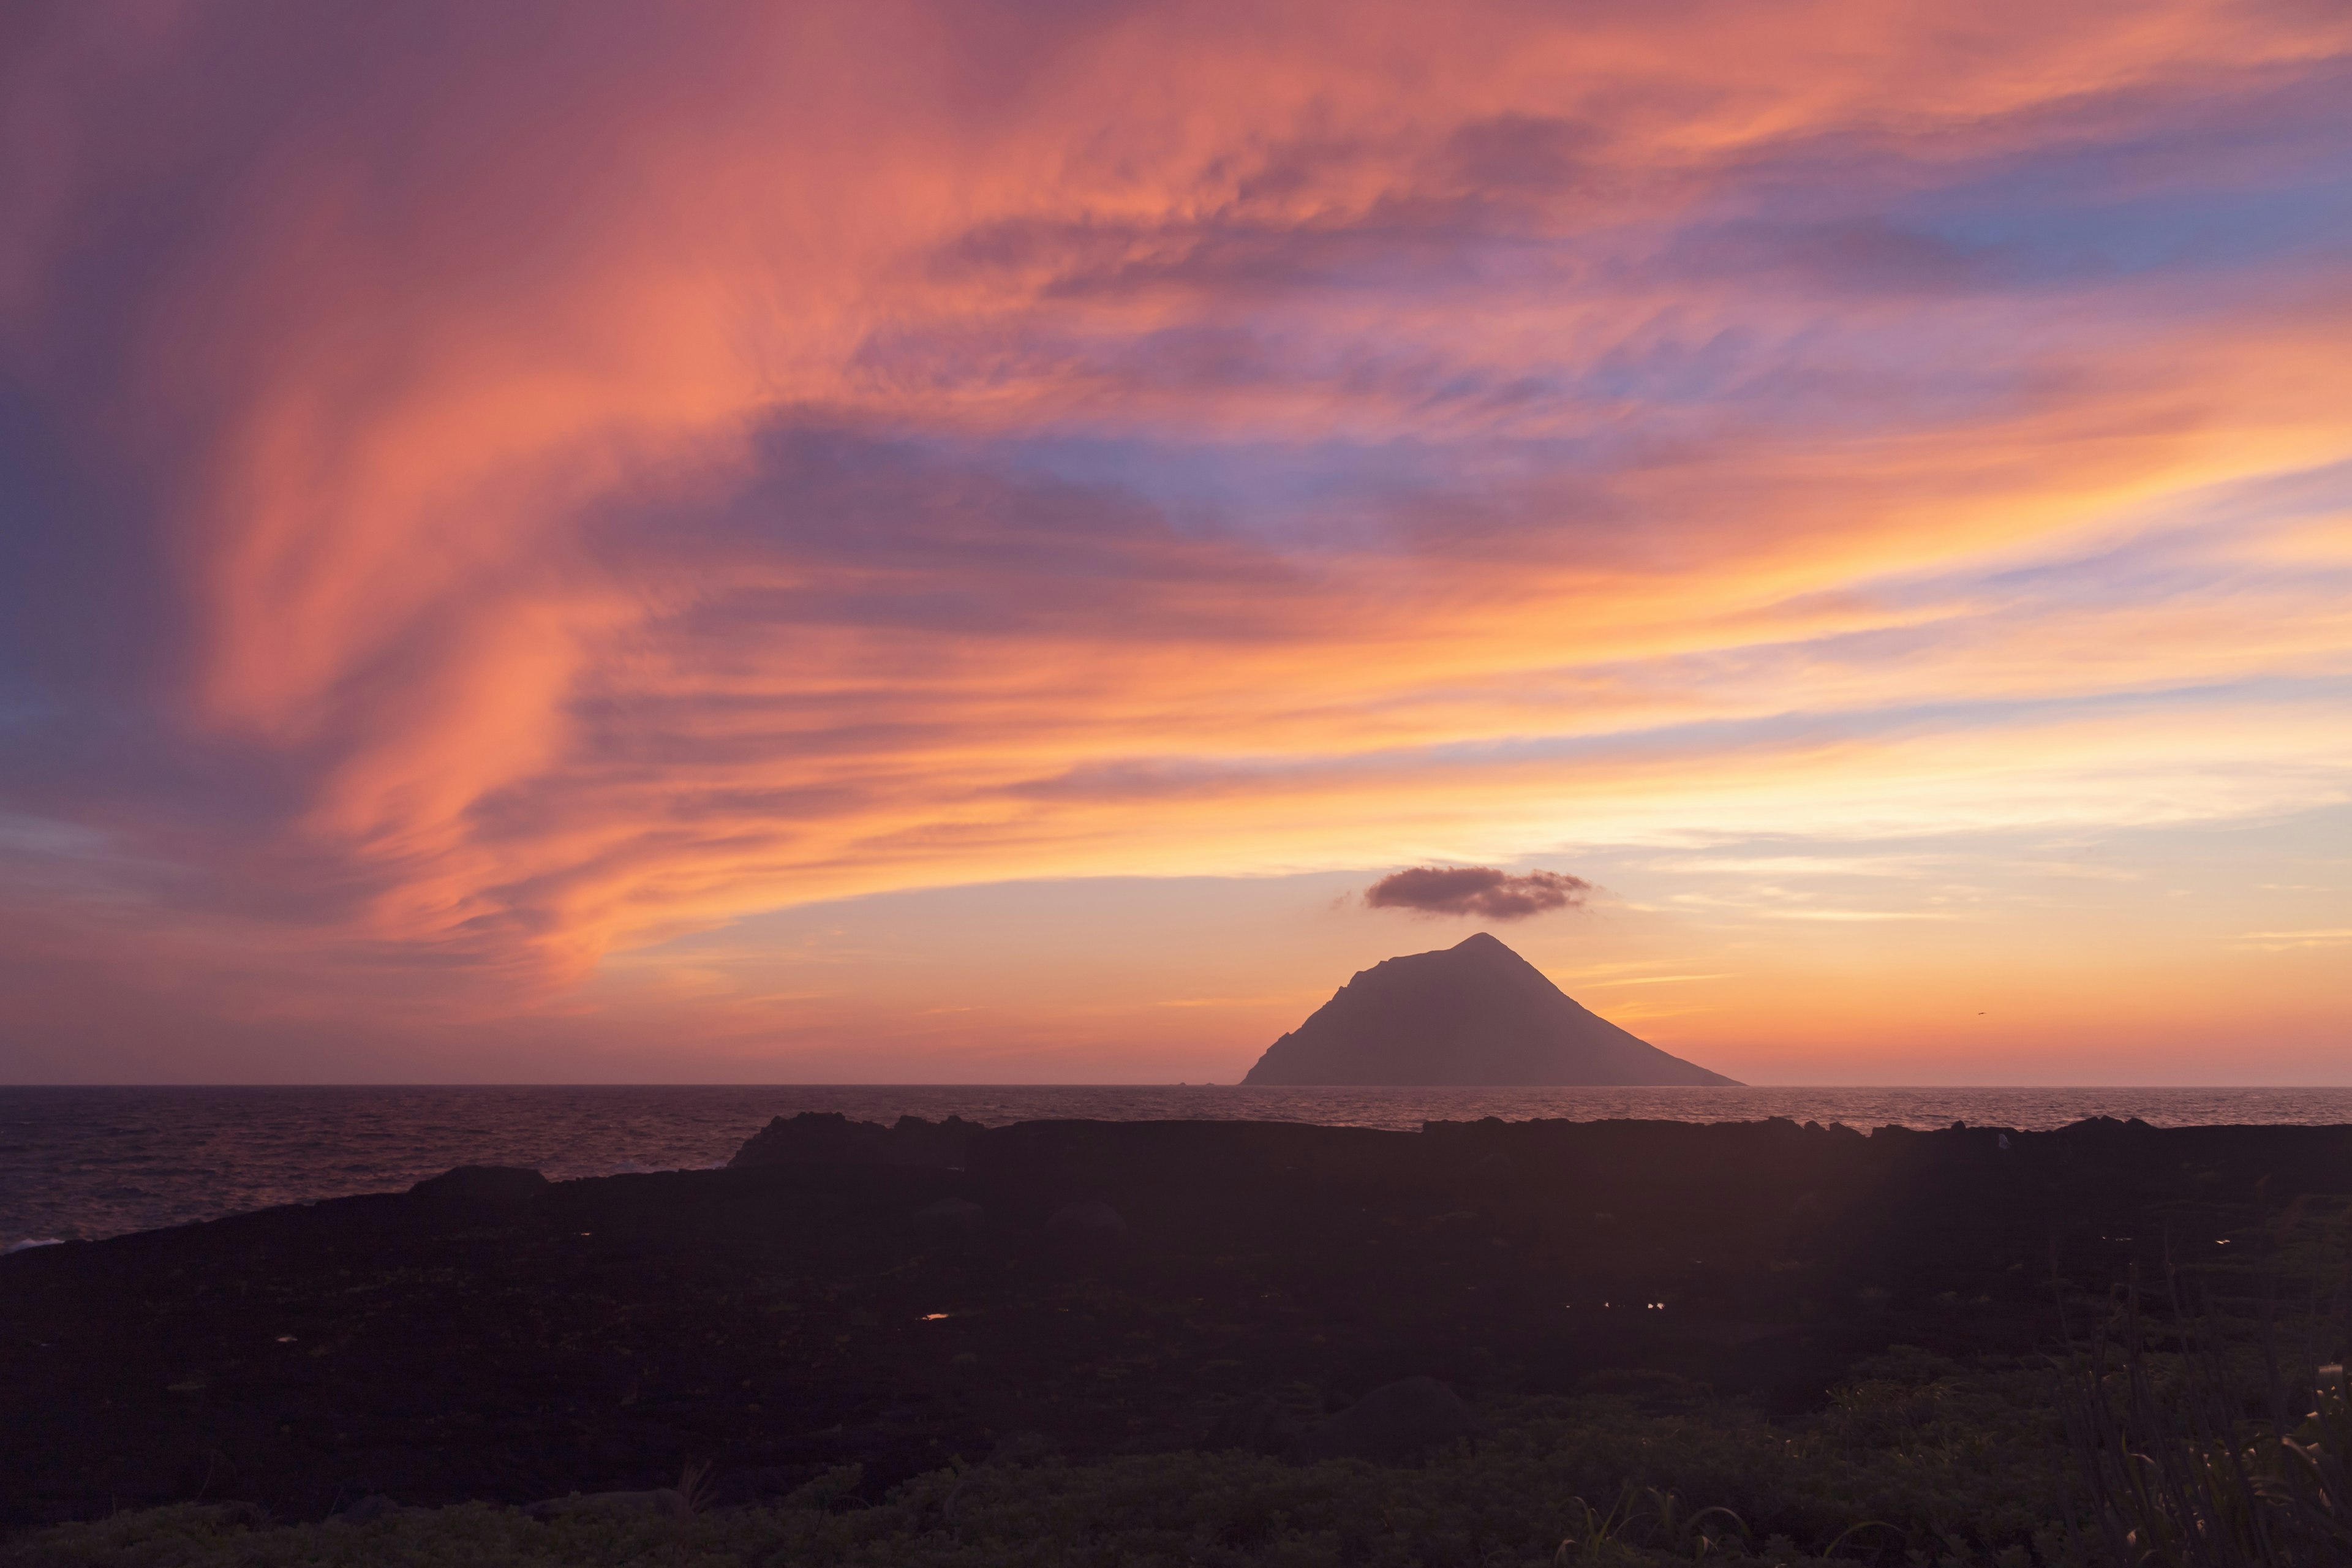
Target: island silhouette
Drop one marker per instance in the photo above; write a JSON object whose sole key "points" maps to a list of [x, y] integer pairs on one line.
{"points": [[1476, 1013]]}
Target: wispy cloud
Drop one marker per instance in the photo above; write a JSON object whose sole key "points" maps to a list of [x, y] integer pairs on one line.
{"points": [[1654, 980], [2281, 939], [494, 491]]}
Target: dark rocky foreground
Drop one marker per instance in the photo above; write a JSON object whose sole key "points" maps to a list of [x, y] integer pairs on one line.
{"points": [[1094, 1287]]}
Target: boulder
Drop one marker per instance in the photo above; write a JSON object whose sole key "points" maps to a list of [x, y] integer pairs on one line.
{"points": [[916, 1142], [483, 1183], [660, 1500], [1268, 1424], [368, 1509], [221, 1515], [1394, 1422], [1023, 1448], [829, 1138]]}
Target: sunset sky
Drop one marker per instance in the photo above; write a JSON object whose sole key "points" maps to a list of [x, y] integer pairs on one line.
{"points": [[952, 542]]}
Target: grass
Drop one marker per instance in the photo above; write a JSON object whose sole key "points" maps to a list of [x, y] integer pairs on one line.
{"points": [[2198, 1447], [1918, 1462], [2206, 1427]]}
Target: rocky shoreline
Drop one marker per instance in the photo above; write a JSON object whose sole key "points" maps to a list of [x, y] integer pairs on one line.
{"points": [[897, 1298]]}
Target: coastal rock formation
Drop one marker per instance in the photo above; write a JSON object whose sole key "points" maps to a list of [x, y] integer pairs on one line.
{"points": [[483, 1185], [790, 1325], [1476, 1013], [829, 1138]]}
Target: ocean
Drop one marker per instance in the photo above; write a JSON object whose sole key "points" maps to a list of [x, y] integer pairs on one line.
{"points": [[90, 1162]]}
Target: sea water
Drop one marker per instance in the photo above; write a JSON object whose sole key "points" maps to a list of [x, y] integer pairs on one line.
{"points": [[89, 1162]]}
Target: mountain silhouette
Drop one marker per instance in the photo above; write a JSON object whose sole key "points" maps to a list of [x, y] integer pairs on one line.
{"points": [[1476, 1013]]}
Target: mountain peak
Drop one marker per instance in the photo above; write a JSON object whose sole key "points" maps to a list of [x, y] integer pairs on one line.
{"points": [[1476, 1013]]}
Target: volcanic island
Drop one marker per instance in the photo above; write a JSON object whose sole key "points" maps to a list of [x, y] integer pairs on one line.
{"points": [[1476, 1013]]}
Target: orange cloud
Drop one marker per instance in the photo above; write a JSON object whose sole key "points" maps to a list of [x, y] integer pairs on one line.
{"points": [[525, 492]]}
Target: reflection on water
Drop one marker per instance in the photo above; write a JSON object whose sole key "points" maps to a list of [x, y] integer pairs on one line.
{"points": [[99, 1161]]}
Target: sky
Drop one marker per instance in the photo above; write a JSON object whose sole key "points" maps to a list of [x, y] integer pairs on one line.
{"points": [[955, 542]]}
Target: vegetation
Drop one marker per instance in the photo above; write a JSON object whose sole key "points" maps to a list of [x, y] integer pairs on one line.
{"points": [[2196, 1447], [2205, 1425], [1915, 1462]]}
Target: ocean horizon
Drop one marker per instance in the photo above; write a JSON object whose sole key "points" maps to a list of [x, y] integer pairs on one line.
{"points": [[81, 1162]]}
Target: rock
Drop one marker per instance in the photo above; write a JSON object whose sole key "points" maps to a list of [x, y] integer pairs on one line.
{"points": [[1269, 1424], [828, 1489], [233, 1515], [660, 1499], [755, 1486], [368, 1509], [682, 1273], [829, 1138], [483, 1183], [1092, 1221], [1023, 1448], [1394, 1422]]}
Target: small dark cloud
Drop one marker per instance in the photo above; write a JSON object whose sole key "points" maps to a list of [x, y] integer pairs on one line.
{"points": [[1482, 890]]}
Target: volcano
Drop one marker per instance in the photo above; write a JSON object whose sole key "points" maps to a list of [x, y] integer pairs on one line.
{"points": [[1476, 1013]]}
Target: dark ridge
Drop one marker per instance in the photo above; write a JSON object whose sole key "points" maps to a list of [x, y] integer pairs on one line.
{"points": [[1476, 1013]]}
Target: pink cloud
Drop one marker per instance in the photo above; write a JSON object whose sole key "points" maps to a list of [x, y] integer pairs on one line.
{"points": [[501, 494]]}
